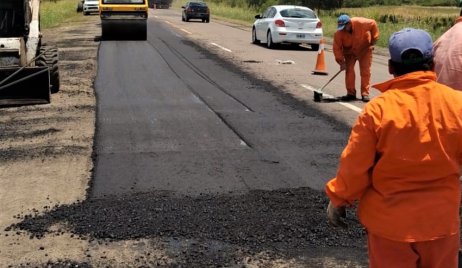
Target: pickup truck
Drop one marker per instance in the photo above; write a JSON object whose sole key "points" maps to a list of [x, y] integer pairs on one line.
{"points": [[90, 6]]}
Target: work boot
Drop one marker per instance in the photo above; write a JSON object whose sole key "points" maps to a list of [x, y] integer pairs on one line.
{"points": [[348, 97], [365, 98]]}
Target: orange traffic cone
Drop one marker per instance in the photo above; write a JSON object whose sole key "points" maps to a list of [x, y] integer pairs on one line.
{"points": [[320, 64]]}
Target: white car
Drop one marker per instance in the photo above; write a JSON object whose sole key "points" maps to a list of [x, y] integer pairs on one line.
{"points": [[287, 24], [90, 6]]}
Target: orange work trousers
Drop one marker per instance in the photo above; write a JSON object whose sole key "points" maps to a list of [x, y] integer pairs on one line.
{"points": [[365, 62], [440, 253]]}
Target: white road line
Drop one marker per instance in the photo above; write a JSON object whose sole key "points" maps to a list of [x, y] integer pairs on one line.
{"points": [[173, 25], [185, 31], [224, 48], [348, 105]]}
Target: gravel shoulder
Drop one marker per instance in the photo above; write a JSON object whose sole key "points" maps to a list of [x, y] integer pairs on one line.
{"points": [[45, 150]]}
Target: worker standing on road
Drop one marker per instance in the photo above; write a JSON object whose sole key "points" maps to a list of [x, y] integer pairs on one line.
{"points": [[354, 41], [402, 162], [447, 51]]}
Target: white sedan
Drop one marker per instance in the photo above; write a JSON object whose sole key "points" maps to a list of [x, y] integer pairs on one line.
{"points": [[287, 24]]}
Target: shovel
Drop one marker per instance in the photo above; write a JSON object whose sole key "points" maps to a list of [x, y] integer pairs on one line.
{"points": [[318, 93]]}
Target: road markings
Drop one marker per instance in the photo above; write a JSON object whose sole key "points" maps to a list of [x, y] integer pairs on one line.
{"points": [[174, 26], [224, 48], [185, 31], [345, 104]]}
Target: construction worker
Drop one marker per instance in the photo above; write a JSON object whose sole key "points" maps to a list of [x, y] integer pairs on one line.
{"points": [[447, 53], [402, 163], [354, 41]]}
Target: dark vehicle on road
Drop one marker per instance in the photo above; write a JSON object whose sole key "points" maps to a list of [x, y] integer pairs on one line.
{"points": [[195, 10]]}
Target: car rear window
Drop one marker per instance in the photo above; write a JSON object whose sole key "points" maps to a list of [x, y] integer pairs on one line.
{"points": [[198, 4], [297, 13]]}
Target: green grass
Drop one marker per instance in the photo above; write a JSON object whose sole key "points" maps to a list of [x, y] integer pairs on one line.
{"points": [[56, 12], [435, 20]]}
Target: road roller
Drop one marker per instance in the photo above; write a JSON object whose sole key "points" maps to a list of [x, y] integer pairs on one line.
{"points": [[123, 19]]}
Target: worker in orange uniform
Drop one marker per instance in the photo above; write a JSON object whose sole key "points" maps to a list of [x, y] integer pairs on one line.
{"points": [[354, 41], [402, 163], [447, 51]]}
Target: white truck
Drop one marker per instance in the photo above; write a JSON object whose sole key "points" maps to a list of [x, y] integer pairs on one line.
{"points": [[90, 6]]}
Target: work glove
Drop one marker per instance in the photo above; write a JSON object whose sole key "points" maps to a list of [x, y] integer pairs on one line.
{"points": [[335, 215]]}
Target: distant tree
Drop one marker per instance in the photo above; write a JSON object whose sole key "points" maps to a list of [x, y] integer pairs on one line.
{"points": [[323, 4]]}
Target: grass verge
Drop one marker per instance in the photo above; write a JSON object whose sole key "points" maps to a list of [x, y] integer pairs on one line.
{"points": [[55, 12], [435, 20]]}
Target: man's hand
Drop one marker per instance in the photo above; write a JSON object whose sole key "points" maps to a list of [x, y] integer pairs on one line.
{"points": [[334, 215], [342, 64]]}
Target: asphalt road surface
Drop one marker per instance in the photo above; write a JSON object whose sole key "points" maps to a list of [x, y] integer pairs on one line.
{"points": [[189, 147], [207, 159], [172, 117]]}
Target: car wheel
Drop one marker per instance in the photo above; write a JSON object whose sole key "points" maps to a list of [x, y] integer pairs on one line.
{"points": [[186, 18], [269, 40], [207, 20], [79, 7], [254, 37], [314, 47], [85, 13], [182, 18], [203, 20]]}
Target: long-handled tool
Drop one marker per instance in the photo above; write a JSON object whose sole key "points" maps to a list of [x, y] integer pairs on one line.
{"points": [[318, 93]]}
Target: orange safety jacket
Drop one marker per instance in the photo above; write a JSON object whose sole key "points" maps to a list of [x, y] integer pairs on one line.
{"points": [[365, 33], [403, 159]]}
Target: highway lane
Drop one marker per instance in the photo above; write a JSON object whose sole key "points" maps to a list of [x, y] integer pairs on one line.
{"points": [[295, 79], [199, 163], [173, 117]]}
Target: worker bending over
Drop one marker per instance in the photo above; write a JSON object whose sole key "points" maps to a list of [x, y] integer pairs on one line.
{"points": [[354, 41], [402, 162]]}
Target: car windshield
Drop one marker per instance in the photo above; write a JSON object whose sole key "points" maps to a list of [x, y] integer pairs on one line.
{"points": [[200, 4], [297, 13], [123, 1]]}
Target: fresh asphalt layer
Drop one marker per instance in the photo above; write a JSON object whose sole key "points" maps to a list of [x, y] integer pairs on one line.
{"points": [[172, 117]]}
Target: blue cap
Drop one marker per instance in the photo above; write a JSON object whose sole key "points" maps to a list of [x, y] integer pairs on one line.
{"points": [[407, 39], [342, 21]]}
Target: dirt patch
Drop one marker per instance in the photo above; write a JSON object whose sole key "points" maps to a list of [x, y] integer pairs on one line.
{"points": [[45, 150]]}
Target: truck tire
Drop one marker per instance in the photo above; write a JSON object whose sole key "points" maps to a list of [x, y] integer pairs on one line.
{"points": [[50, 58]]}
